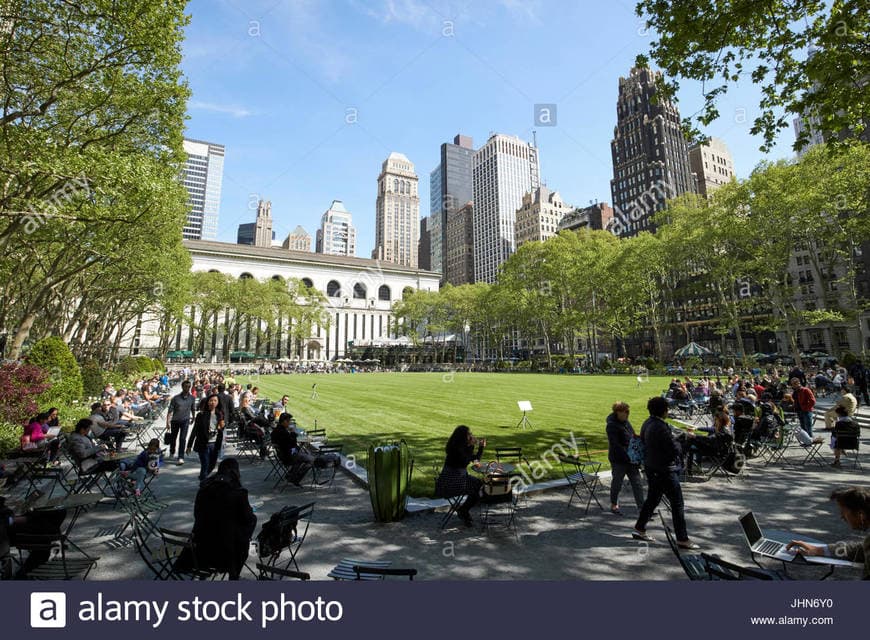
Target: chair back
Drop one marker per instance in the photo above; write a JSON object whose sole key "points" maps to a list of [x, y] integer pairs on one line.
{"points": [[361, 570], [692, 564], [510, 454]]}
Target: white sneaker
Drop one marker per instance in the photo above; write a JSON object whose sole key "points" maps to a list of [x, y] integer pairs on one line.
{"points": [[180, 461]]}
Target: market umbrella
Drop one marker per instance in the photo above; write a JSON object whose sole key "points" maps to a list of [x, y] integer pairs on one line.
{"points": [[692, 349], [819, 354]]}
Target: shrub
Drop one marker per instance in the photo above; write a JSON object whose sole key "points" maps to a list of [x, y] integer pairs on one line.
{"points": [[53, 355], [20, 387], [651, 364], [848, 359], [157, 365], [128, 366], [92, 378], [10, 438]]}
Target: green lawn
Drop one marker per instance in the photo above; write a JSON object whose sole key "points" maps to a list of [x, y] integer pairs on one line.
{"points": [[423, 409]]}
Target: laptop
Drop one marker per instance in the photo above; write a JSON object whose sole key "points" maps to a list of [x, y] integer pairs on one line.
{"points": [[761, 545], [53, 432]]}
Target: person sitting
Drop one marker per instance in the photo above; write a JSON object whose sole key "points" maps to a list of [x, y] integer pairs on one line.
{"points": [[36, 438], [223, 523], [848, 402], [716, 443], [854, 504], [149, 461], [285, 441], [89, 457], [253, 426], [103, 427], [454, 479], [845, 434]]}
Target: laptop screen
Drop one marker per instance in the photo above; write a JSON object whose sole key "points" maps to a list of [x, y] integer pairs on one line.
{"points": [[750, 528]]}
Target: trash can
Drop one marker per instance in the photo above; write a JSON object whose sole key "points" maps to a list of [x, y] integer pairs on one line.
{"points": [[389, 469]]}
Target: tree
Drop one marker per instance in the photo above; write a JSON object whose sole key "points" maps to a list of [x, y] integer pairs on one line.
{"points": [[90, 151], [52, 355], [765, 41]]}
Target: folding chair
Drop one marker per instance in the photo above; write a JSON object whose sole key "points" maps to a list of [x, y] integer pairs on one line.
{"points": [[349, 569], [316, 436], [513, 455], [499, 495], [162, 548], [365, 571], [60, 565], [455, 502], [719, 569], [278, 470], [773, 449], [292, 545], [850, 444], [581, 474], [813, 451], [266, 572], [326, 462], [692, 564]]}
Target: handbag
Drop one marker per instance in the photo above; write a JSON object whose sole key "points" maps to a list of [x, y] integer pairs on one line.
{"points": [[636, 450], [167, 438]]}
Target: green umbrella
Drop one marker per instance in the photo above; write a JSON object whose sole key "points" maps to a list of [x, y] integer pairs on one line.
{"points": [[692, 349]]}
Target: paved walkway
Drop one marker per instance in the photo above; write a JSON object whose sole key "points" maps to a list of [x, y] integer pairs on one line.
{"points": [[556, 542]]}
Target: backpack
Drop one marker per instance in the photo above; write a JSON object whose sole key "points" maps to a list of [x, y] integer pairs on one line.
{"points": [[636, 450], [278, 533]]}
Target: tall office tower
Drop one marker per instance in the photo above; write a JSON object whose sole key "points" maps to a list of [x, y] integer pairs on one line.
{"points": [[539, 216], [459, 256], [450, 187], [245, 233], [397, 221], [298, 240], [202, 175], [263, 225], [336, 235], [503, 170], [712, 165], [650, 154], [424, 251]]}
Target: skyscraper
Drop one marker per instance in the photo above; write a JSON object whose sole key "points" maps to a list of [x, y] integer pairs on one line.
{"points": [[459, 254], [450, 187], [424, 253], [503, 170], [539, 216], [397, 221], [650, 154], [258, 233], [336, 235], [203, 174], [712, 165]]}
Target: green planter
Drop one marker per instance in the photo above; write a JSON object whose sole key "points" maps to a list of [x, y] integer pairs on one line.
{"points": [[389, 472]]}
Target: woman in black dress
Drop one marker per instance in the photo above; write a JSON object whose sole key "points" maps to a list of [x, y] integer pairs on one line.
{"points": [[454, 479]]}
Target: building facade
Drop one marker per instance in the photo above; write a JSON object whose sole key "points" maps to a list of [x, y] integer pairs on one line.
{"points": [[503, 170], [424, 249], [459, 258], [337, 235], [397, 231], [649, 152], [596, 217], [298, 240], [450, 187], [712, 165], [203, 176], [539, 216], [359, 298]]}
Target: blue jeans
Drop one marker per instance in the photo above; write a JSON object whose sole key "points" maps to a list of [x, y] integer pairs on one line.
{"points": [[207, 461], [664, 483], [806, 420]]}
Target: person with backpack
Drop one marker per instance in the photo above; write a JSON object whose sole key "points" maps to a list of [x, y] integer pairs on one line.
{"points": [[285, 442], [619, 437], [224, 522], [662, 456]]}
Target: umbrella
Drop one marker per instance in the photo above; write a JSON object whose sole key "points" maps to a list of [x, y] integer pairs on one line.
{"points": [[759, 356], [692, 349], [819, 354]]}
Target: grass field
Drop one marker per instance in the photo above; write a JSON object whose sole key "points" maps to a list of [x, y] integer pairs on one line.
{"points": [[423, 409]]}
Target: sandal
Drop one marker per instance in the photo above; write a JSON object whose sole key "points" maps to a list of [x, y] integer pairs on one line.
{"points": [[642, 535], [616, 511]]}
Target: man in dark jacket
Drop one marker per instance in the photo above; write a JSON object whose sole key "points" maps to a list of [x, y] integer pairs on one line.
{"points": [[859, 375], [619, 434], [662, 455], [223, 521]]}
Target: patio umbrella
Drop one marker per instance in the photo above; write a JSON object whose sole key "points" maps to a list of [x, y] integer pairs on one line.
{"points": [[692, 349], [819, 354]]}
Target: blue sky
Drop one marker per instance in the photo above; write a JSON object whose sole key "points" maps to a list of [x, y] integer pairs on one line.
{"points": [[276, 81]]}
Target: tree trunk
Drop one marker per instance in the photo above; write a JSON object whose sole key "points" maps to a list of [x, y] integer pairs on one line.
{"points": [[21, 335]]}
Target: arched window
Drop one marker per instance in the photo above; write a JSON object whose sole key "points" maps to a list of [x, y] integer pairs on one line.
{"points": [[213, 271], [277, 278], [395, 184], [384, 293], [333, 289], [307, 282], [246, 276], [359, 291]]}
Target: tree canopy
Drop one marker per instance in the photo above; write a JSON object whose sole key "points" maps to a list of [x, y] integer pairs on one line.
{"points": [[767, 42]]}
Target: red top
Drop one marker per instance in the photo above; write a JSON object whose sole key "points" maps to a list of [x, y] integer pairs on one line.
{"points": [[35, 431], [805, 399]]}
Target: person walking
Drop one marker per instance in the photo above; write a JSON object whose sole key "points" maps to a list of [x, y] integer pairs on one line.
{"points": [[209, 419], [619, 435], [182, 408], [662, 456]]}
